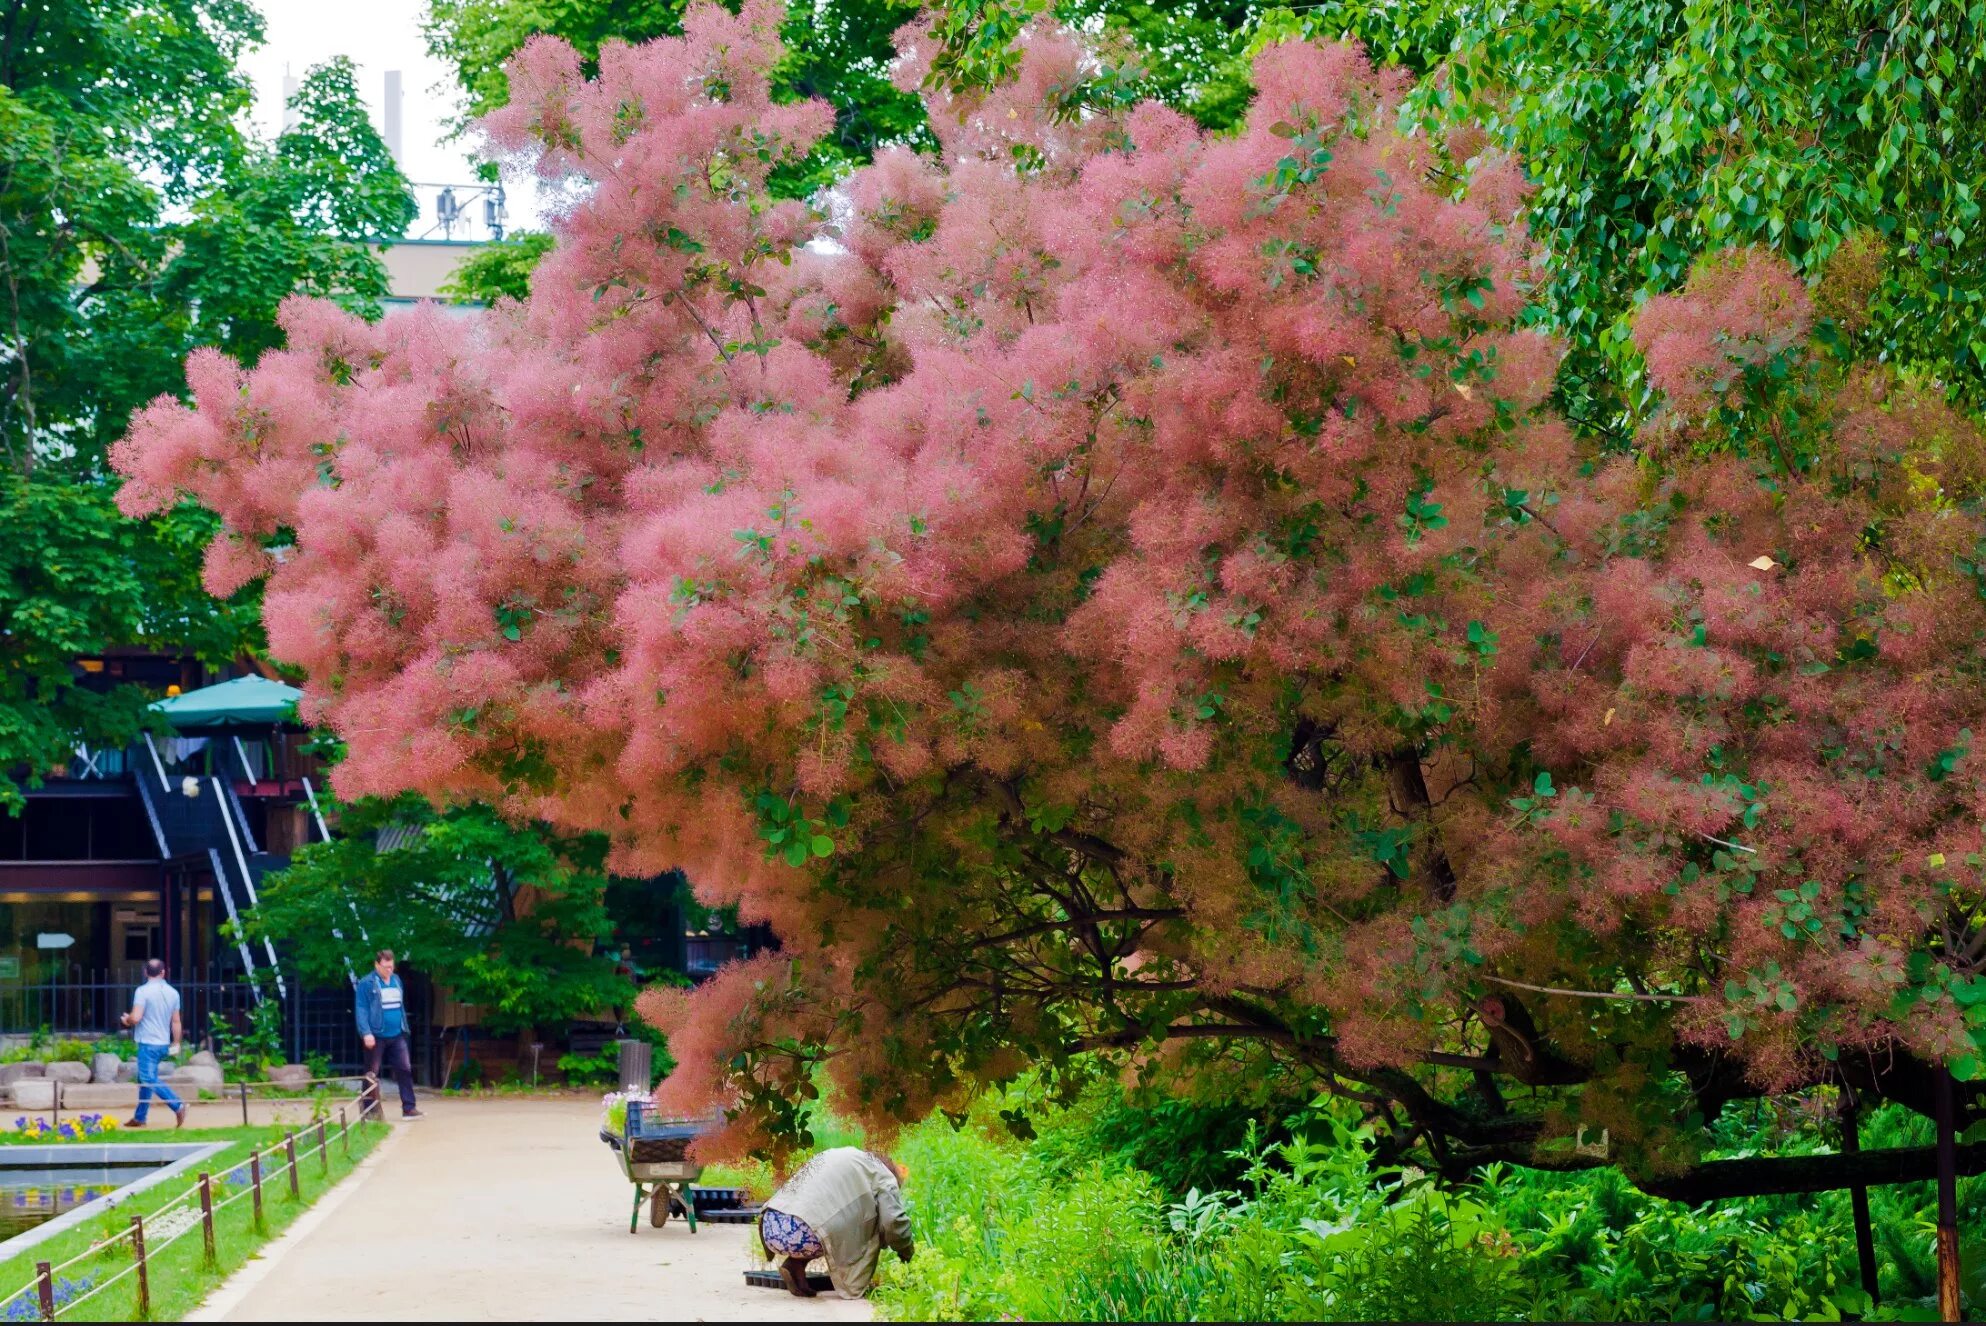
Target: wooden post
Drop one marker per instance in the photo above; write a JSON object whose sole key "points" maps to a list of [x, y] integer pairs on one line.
{"points": [[323, 1147], [255, 1178], [45, 1284], [244, 1104], [290, 1150], [1865, 1237], [207, 1215], [144, 1275], [1948, 1307], [345, 1132], [58, 1103]]}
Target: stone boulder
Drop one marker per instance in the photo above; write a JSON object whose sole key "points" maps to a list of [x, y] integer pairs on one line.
{"points": [[65, 1071], [34, 1093], [12, 1073], [100, 1096], [291, 1077], [204, 1076], [127, 1070], [202, 1059], [103, 1068]]}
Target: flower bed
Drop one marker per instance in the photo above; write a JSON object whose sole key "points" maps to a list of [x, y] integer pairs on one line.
{"points": [[84, 1127]]}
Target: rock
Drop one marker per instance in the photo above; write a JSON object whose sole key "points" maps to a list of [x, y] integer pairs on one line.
{"points": [[127, 1070], [12, 1073], [66, 1071], [99, 1096], [291, 1077], [194, 1075], [103, 1068], [202, 1059], [34, 1093]]}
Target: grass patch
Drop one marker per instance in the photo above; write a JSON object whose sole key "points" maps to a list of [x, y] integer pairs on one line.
{"points": [[180, 1278]]}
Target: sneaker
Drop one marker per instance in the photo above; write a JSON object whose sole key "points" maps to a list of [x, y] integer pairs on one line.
{"points": [[412, 1114]]}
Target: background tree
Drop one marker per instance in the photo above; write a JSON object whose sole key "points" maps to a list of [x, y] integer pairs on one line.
{"points": [[1134, 596], [505, 916], [137, 221]]}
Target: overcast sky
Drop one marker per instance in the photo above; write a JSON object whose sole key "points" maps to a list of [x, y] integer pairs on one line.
{"points": [[378, 35]]}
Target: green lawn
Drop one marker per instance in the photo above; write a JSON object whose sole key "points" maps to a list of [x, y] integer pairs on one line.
{"points": [[179, 1277]]}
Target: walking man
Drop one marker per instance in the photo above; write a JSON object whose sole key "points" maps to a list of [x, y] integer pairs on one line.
{"points": [[155, 1014], [381, 1006]]}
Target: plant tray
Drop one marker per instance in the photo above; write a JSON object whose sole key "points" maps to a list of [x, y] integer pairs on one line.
{"points": [[719, 1199], [735, 1215], [771, 1280]]}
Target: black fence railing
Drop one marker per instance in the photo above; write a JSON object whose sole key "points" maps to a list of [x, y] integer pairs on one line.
{"points": [[216, 1012]]}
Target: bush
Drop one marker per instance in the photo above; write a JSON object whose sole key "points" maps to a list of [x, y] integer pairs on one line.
{"points": [[1314, 1228]]}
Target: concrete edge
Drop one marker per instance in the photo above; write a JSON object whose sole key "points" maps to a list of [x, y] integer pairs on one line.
{"points": [[68, 1220], [108, 1155], [229, 1294]]}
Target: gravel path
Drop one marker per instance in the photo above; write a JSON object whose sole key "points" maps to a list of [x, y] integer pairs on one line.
{"points": [[502, 1210]]}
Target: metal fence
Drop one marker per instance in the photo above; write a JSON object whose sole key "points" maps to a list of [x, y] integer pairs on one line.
{"points": [[213, 1009]]}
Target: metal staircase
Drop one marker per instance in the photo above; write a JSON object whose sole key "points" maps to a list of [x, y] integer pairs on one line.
{"points": [[200, 815]]}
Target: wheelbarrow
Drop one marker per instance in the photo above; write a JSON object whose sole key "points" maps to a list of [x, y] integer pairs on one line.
{"points": [[654, 1155]]}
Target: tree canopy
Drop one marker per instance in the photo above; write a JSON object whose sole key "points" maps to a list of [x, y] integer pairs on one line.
{"points": [[1133, 591], [137, 221]]}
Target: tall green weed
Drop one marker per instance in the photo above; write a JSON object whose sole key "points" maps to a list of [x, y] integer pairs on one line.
{"points": [[1063, 1227]]}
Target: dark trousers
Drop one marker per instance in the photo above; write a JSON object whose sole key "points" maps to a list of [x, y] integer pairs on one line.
{"points": [[392, 1051]]}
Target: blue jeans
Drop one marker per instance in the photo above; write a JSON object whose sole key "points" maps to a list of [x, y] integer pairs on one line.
{"points": [[149, 1058]]}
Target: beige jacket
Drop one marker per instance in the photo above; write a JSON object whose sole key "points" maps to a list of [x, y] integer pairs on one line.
{"points": [[851, 1200]]}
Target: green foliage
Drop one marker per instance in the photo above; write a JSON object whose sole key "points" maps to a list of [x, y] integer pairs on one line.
{"points": [[586, 1070], [1181, 1143], [76, 577], [501, 270], [138, 221], [1316, 1227], [506, 916], [248, 1050]]}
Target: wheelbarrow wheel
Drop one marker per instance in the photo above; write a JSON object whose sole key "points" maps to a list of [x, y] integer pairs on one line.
{"points": [[659, 1202]]}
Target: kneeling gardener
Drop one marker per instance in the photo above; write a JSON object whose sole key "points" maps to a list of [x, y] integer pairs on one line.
{"points": [[845, 1205], [381, 1006]]}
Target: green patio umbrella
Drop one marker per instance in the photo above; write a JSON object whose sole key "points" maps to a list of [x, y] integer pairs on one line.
{"points": [[245, 702]]}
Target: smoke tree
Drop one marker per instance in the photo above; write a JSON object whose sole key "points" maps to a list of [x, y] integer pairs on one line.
{"points": [[1107, 587]]}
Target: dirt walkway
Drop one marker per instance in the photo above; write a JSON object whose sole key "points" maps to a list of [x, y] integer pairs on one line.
{"points": [[503, 1210]]}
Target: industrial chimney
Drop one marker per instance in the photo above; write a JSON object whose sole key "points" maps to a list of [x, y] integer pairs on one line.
{"points": [[394, 99]]}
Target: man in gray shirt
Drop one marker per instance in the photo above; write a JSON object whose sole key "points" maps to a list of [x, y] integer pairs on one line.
{"points": [[155, 1015]]}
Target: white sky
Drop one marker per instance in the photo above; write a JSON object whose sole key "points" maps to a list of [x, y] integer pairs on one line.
{"points": [[378, 35]]}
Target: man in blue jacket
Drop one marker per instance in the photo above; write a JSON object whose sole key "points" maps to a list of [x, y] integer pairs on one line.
{"points": [[381, 1006]]}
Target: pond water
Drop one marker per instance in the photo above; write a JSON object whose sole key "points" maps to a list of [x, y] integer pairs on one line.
{"points": [[29, 1197]]}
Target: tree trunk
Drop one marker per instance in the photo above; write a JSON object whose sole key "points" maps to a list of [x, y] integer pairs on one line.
{"points": [[1410, 790]]}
